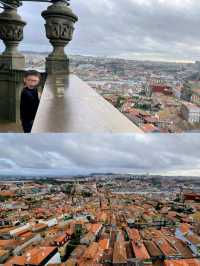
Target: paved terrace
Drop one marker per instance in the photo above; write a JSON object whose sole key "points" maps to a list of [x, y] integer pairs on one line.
{"points": [[7, 127]]}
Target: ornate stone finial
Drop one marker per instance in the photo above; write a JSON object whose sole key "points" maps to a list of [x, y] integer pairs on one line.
{"points": [[66, 1], [59, 30], [11, 3], [11, 33]]}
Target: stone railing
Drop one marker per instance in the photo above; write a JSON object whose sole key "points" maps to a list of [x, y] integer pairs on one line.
{"points": [[69, 105]]}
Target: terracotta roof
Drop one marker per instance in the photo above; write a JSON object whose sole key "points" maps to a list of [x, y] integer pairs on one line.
{"points": [[8, 243], [6, 229], [167, 231], [152, 249], [151, 119], [149, 128], [102, 216], [180, 247], [61, 239], [140, 250], [165, 247], [133, 234], [39, 226], [156, 233], [26, 234], [88, 237], [194, 238], [40, 210], [69, 262], [104, 244], [3, 252], [135, 112], [119, 252], [143, 113], [78, 251], [22, 232], [38, 254], [95, 228], [16, 260], [69, 231], [184, 228], [186, 262], [7, 193], [91, 251]]}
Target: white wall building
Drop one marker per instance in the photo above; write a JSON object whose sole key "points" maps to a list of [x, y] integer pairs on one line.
{"points": [[190, 112]]}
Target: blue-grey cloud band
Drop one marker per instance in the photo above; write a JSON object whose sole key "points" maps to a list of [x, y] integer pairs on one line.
{"points": [[145, 29], [66, 154]]}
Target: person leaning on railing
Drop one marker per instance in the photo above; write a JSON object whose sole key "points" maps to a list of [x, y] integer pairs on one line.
{"points": [[29, 99]]}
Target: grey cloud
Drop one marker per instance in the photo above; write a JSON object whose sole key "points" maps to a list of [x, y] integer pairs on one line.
{"points": [[74, 153], [6, 163], [141, 29]]}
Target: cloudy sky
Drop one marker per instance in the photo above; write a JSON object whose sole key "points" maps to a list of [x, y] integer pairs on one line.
{"points": [[138, 29], [79, 154]]}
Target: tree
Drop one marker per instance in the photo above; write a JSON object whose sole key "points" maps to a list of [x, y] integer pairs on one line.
{"points": [[68, 189], [86, 194]]}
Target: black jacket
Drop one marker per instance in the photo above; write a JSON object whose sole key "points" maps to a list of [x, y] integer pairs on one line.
{"points": [[29, 104]]}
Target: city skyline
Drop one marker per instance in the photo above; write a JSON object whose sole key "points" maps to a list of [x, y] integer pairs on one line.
{"points": [[38, 155], [146, 29]]}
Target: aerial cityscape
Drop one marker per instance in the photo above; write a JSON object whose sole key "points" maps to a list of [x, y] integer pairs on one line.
{"points": [[84, 80], [155, 96], [100, 220], [104, 200]]}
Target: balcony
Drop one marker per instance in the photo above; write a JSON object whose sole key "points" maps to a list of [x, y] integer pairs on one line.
{"points": [[11, 84], [67, 103]]}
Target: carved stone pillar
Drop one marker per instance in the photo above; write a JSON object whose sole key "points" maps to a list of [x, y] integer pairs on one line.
{"points": [[59, 30], [11, 33]]}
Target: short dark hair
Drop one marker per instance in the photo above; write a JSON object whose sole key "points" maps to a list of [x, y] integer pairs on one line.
{"points": [[32, 73]]}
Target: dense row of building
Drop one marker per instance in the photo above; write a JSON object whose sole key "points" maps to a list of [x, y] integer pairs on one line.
{"points": [[159, 89], [93, 223]]}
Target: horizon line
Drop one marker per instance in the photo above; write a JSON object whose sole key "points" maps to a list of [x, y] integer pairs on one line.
{"points": [[119, 57]]}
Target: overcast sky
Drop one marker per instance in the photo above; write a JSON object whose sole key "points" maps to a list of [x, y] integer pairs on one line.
{"points": [[80, 154], [138, 29]]}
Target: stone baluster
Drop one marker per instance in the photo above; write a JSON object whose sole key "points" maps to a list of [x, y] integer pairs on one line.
{"points": [[59, 27], [11, 33]]}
